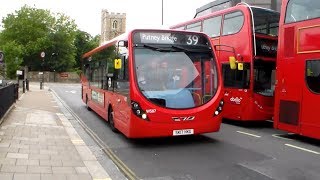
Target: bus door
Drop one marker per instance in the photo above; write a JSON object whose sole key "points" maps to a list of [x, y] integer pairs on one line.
{"points": [[204, 80], [122, 105], [237, 90]]}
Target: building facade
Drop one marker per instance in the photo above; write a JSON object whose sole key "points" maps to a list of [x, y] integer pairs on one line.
{"points": [[222, 4], [112, 25]]}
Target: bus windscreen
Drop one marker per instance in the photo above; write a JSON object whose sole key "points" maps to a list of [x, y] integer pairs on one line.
{"points": [[175, 70]]}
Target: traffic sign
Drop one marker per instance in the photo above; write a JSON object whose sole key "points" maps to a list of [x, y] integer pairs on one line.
{"points": [[43, 54], [19, 72]]}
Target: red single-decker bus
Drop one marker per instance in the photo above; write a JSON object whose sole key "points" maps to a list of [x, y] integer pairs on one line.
{"points": [[152, 83]]}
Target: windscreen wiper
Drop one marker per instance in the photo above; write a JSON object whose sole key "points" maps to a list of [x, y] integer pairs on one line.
{"points": [[155, 48], [151, 47], [190, 49]]}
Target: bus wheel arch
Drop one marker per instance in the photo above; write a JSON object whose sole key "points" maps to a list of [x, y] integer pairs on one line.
{"points": [[111, 119], [87, 106]]}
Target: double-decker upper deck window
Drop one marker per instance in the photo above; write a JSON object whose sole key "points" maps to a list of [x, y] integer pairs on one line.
{"points": [[313, 75], [266, 21], [194, 27], [298, 10], [212, 26], [232, 23]]}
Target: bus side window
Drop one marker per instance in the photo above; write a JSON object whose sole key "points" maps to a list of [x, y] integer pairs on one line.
{"points": [[87, 71], [313, 75], [232, 23], [194, 27], [212, 26]]}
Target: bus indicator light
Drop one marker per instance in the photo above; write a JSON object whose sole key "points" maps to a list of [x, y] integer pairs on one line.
{"points": [[240, 66], [232, 61]]}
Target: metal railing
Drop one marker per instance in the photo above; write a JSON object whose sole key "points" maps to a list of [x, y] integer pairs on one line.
{"points": [[8, 95]]}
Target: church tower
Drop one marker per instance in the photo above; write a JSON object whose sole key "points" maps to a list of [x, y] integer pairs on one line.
{"points": [[112, 25]]}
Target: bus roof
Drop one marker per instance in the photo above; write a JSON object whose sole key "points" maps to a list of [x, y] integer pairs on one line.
{"points": [[122, 37], [220, 12]]}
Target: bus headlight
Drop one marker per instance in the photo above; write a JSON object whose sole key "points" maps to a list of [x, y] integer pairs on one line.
{"points": [[144, 116], [219, 108], [138, 112], [135, 105], [136, 109]]}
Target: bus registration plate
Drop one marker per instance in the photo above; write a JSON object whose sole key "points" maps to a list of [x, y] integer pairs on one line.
{"points": [[182, 132]]}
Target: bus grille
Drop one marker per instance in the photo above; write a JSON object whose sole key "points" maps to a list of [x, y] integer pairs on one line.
{"points": [[289, 112]]}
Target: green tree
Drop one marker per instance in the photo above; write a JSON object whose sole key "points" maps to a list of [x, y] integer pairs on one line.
{"points": [[13, 58], [62, 50], [37, 30], [84, 43]]}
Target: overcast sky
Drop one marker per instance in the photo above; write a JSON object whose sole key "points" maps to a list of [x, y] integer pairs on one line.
{"points": [[87, 13]]}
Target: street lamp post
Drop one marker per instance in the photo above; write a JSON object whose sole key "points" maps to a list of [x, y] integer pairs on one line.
{"points": [[42, 54], [161, 12], [54, 71], [2, 66]]}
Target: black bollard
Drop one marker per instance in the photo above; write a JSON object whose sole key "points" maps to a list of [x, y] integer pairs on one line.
{"points": [[16, 91], [27, 84], [23, 86]]}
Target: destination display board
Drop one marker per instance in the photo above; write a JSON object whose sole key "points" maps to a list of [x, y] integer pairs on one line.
{"points": [[165, 37]]}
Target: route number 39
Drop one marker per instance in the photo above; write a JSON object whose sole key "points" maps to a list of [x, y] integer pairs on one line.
{"points": [[192, 40]]}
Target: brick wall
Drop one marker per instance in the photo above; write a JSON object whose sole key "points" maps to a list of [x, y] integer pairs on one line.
{"points": [[67, 77]]}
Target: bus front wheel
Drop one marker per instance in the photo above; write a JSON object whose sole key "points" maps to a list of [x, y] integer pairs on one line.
{"points": [[87, 106], [111, 121]]}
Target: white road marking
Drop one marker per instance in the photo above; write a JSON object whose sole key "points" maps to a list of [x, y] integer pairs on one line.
{"points": [[72, 91], [249, 134], [303, 149], [255, 170], [279, 136]]}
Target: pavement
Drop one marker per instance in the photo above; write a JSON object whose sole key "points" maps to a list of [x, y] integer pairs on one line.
{"points": [[37, 141]]}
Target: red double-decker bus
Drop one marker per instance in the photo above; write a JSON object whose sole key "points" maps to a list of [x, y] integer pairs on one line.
{"points": [[245, 39], [298, 69], [152, 83]]}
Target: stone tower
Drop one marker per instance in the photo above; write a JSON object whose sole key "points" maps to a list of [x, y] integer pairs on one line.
{"points": [[112, 25]]}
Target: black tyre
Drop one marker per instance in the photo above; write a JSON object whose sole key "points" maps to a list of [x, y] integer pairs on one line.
{"points": [[87, 106], [111, 121]]}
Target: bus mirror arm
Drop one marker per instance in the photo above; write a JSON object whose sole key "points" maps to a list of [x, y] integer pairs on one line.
{"points": [[225, 48]]}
